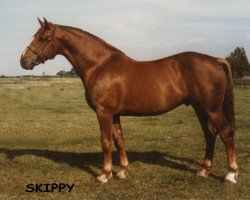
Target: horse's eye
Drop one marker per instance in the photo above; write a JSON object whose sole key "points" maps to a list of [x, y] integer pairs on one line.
{"points": [[43, 39]]}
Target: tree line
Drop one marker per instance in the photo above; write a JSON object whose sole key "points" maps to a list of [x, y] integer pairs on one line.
{"points": [[70, 73], [239, 62], [237, 59]]}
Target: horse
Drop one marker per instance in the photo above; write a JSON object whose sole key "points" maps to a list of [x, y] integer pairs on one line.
{"points": [[117, 85]]}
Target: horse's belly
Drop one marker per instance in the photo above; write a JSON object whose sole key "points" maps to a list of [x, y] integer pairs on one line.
{"points": [[152, 102]]}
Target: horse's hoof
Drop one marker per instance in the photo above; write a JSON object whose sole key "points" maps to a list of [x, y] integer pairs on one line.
{"points": [[103, 178], [202, 173], [230, 178], [121, 174]]}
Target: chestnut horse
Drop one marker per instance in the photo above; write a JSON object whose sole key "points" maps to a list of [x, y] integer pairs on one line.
{"points": [[116, 85]]}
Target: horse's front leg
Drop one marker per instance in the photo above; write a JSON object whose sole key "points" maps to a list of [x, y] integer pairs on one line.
{"points": [[119, 144], [105, 121]]}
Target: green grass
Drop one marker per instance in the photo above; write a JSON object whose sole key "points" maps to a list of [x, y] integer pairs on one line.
{"points": [[49, 134]]}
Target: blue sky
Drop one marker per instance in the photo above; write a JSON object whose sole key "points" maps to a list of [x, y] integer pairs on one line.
{"points": [[143, 29]]}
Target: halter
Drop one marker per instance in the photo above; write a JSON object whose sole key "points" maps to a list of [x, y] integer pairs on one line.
{"points": [[39, 52]]}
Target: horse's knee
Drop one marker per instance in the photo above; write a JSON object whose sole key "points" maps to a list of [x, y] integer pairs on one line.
{"points": [[106, 145]]}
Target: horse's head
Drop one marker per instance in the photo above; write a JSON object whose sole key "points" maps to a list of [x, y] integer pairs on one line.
{"points": [[41, 48]]}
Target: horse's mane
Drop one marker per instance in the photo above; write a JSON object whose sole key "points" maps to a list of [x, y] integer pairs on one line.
{"points": [[72, 29]]}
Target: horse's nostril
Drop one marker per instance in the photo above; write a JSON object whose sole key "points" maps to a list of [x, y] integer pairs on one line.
{"points": [[23, 63]]}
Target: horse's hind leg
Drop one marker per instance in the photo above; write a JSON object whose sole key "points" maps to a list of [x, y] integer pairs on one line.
{"points": [[210, 137], [119, 144], [226, 133]]}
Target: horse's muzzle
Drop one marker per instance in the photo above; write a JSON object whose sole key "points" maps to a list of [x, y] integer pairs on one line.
{"points": [[26, 63]]}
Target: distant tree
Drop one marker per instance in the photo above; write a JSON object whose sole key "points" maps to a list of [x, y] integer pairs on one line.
{"points": [[61, 73], [239, 62], [72, 72]]}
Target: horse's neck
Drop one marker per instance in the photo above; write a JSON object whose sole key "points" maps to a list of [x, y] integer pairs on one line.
{"points": [[84, 52]]}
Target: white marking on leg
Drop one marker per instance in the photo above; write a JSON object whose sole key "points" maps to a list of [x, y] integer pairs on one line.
{"points": [[119, 131], [121, 174], [202, 173], [104, 178], [231, 177]]}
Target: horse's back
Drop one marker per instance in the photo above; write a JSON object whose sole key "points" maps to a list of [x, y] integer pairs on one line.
{"points": [[154, 87], [166, 83]]}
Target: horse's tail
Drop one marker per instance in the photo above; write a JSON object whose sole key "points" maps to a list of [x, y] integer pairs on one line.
{"points": [[228, 104]]}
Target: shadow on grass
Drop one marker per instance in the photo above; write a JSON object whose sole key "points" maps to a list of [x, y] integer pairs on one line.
{"points": [[83, 161]]}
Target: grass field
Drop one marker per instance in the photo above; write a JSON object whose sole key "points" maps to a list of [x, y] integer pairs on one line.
{"points": [[49, 134]]}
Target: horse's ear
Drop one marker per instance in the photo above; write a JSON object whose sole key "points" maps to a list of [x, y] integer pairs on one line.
{"points": [[46, 23], [40, 22]]}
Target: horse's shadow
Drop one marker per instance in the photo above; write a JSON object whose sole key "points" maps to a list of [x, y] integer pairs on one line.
{"points": [[83, 161]]}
